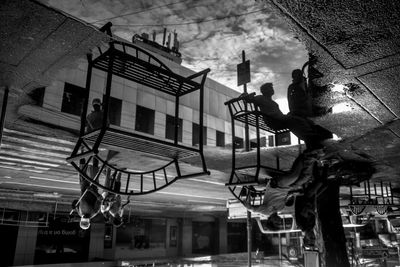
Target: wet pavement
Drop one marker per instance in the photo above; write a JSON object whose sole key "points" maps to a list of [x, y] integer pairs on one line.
{"points": [[203, 262]]}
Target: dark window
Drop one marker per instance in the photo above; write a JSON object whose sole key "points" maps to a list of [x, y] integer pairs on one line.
{"points": [[282, 139], [196, 134], [263, 141], [142, 234], [270, 140], [144, 120], [204, 238], [220, 139], [37, 95], [238, 142], [170, 128], [253, 142], [237, 240], [114, 110], [72, 99]]}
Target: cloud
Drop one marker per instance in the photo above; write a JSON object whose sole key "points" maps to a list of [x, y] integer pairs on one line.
{"points": [[215, 44]]}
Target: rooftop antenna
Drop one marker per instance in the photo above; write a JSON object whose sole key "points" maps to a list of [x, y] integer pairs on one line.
{"points": [[176, 43], [165, 33], [169, 40]]}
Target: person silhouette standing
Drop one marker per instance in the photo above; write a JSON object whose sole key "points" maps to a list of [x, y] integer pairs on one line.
{"points": [[298, 98], [300, 102], [94, 120]]}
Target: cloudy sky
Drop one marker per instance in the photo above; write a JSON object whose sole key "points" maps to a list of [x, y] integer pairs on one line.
{"points": [[212, 34]]}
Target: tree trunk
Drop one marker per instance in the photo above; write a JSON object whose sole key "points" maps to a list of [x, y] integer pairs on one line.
{"points": [[331, 227]]}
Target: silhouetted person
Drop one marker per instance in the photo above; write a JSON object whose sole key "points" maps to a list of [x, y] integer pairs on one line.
{"points": [[273, 117], [94, 120], [298, 98], [300, 103]]}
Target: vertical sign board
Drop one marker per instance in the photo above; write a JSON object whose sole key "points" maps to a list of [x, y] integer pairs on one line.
{"points": [[243, 72]]}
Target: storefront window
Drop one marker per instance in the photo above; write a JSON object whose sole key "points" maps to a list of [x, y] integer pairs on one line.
{"points": [[61, 242], [143, 234], [205, 238], [237, 238]]}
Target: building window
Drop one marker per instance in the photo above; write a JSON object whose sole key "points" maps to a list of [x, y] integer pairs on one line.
{"points": [[37, 95], [238, 142], [196, 134], [271, 141], [263, 142], [144, 120], [170, 128], [220, 139], [114, 110], [73, 98]]}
